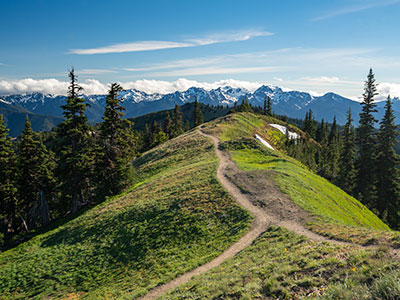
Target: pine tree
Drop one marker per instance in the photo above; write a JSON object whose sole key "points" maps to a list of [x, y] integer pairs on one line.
{"points": [[159, 136], [387, 174], [347, 173], [198, 116], [35, 179], [177, 123], [309, 124], [115, 147], [265, 106], [8, 190], [366, 140], [269, 107], [167, 124], [333, 141], [74, 154]]}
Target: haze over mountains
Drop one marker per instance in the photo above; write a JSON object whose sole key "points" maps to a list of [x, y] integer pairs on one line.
{"points": [[137, 103]]}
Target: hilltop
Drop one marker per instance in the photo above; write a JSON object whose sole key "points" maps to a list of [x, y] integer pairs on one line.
{"points": [[179, 214]]}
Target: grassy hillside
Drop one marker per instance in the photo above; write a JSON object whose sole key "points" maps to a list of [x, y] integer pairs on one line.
{"points": [[328, 203], [282, 265], [176, 217]]}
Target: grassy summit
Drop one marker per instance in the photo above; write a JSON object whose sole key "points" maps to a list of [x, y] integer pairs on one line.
{"points": [[175, 218]]}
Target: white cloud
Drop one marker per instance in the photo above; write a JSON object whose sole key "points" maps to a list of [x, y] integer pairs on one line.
{"points": [[48, 86], [386, 88], [182, 84], [92, 86], [354, 9], [158, 45]]}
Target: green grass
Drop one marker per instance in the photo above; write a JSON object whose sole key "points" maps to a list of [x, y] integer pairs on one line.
{"points": [[282, 265], [175, 218], [308, 190]]}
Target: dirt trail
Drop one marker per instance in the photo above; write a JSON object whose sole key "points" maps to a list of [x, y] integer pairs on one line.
{"points": [[263, 218]]}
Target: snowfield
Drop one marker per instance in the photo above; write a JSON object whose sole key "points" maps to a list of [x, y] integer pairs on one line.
{"points": [[265, 143], [283, 129]]}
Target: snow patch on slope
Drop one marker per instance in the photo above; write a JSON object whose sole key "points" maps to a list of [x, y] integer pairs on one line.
{"points": [[265, 143], [283, 129]]}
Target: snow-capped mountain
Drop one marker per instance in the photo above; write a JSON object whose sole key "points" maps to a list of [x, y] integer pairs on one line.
{"points": [[291, 103]]}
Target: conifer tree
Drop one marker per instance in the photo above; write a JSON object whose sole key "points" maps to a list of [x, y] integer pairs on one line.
{"points": [[347, 173], [8, 190], [158, 134], [35, 179], [167, 124], [116, 147], [269, 107], [198, 116], [309, 124], [187, 126], [388, 191], [333, 141], [75, 157], [177, 123], [366, 140], [265, 106]]}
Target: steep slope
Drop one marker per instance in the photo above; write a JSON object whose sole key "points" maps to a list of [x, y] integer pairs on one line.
{"points": [[176, 218]]}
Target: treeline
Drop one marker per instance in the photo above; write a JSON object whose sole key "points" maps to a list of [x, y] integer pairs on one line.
{"points": [[362, 161], [82, 164]]}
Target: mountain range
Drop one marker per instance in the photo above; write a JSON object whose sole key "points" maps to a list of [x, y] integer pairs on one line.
{"points": [[137, 103]]}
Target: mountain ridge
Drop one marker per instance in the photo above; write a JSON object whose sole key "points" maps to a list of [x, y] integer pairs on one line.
{"points": [[294, 104]]}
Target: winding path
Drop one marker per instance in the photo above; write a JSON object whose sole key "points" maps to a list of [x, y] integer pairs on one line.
{"points": [[262, 220]]}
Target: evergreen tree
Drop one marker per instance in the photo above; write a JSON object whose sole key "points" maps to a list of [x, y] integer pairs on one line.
{"points": [[309, 124], [187, 126], [269, 107], [347, 173], [74, 154], [333, 141], [8, 190], [159, 136], [167, 124], [198, 116], [177, 123], [388, 192], [265, 106], [366, 140], [116, 147], [35, 179]]}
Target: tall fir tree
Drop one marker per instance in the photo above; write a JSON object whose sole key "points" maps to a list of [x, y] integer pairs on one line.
{"points": [[8, 190], [309, 124], [387, 174], [35, 179], [177, 123], [269, 106], [115, 147], [167, 125], [333, 141], [198, 115], [347, 173], [366, 140], [265, 106], [75, 156]]}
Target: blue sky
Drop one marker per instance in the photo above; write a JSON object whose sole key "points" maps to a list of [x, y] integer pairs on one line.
{"points": [[307, 45]]}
